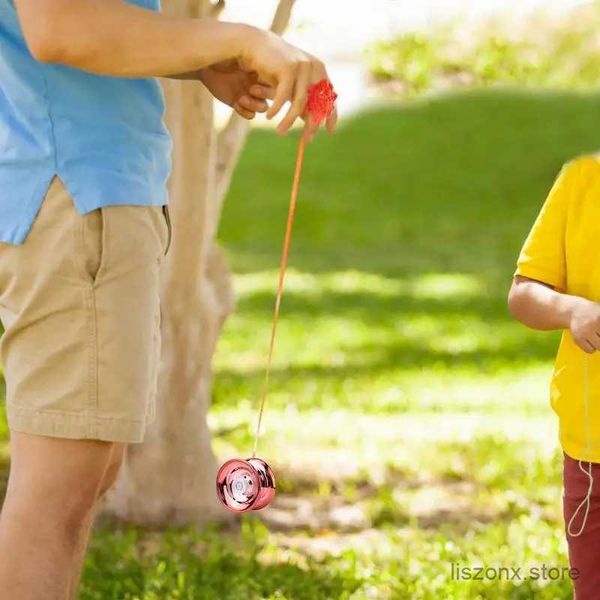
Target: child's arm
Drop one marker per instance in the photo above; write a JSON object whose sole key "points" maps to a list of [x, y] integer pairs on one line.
{"points": [[540, 306], [537, 297]]}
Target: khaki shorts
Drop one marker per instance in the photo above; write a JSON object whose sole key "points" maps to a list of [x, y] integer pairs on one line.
{"points": [[79, 301]]}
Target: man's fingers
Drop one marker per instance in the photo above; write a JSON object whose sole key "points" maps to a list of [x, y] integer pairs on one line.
{"points": [[332, 120], [321, 73], [253, 104], [244, 112], [310, 127], [283, 93], [293, 87], [299, 101], [266, 92], [308, 133]]}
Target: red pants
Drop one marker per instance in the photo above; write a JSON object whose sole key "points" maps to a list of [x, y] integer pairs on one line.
{"points": [[584, 550]]}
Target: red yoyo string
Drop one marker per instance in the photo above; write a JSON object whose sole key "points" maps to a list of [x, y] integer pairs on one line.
{"points": [[319, 105]]}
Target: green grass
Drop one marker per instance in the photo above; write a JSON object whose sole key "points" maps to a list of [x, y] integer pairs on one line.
{"points": [[408, 421]]}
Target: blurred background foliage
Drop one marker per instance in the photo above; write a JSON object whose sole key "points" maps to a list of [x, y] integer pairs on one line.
{"points": [[541, 51]]}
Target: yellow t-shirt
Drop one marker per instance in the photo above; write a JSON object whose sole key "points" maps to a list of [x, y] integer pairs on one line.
{"points": [[563, 250]]}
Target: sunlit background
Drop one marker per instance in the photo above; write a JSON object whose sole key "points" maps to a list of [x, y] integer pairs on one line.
{"points": [[410, 418], [408, 422], [340, 31]]}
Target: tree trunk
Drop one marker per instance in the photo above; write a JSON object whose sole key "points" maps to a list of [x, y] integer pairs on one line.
{"points": [[170, 477]]}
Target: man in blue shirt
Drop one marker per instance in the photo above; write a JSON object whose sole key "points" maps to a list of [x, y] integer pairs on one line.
{"points": [[84, 160]]}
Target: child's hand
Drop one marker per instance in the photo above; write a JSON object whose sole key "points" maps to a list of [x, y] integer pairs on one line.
{"points": [[585, 325]]}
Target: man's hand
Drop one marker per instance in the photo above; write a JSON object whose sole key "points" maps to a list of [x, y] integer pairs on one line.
{"points": [[290, 71], [241, 88], [585, 325], [237, 88]]}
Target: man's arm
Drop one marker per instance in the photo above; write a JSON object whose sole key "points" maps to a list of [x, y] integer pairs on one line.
{"points": [[539, 306], [112, 37], [115, 38]]}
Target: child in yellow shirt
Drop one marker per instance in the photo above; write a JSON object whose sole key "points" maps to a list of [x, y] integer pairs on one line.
{"points": [[557, 286]]}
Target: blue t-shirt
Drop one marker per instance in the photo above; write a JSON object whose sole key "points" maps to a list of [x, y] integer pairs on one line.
{"points": [[103, 136]]}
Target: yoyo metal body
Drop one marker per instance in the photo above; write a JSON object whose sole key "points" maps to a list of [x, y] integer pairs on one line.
{"points": [[245, 485]]}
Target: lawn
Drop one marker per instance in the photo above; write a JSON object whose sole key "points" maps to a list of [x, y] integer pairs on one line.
{"points": [[409, 422]]}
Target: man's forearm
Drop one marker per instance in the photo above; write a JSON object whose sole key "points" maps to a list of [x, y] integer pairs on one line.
{"points": [[541, 307], [195, 75], [88, 34]]}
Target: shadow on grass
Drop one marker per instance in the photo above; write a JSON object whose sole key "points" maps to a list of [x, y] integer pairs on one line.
{"points": [[392, 313], [450, 184], [458, 485], [374, 360], [205, 565]]}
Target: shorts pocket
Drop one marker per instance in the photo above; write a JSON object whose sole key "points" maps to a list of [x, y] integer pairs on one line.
{"points": [[93, 242], [165, 210]]}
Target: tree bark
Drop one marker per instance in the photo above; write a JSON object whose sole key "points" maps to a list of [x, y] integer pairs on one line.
{"points": [[170, 478]]}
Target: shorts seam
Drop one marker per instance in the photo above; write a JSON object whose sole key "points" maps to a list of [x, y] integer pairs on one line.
{"points": [[69, 414], [91, 317], [93, 360], [64, 424]]}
